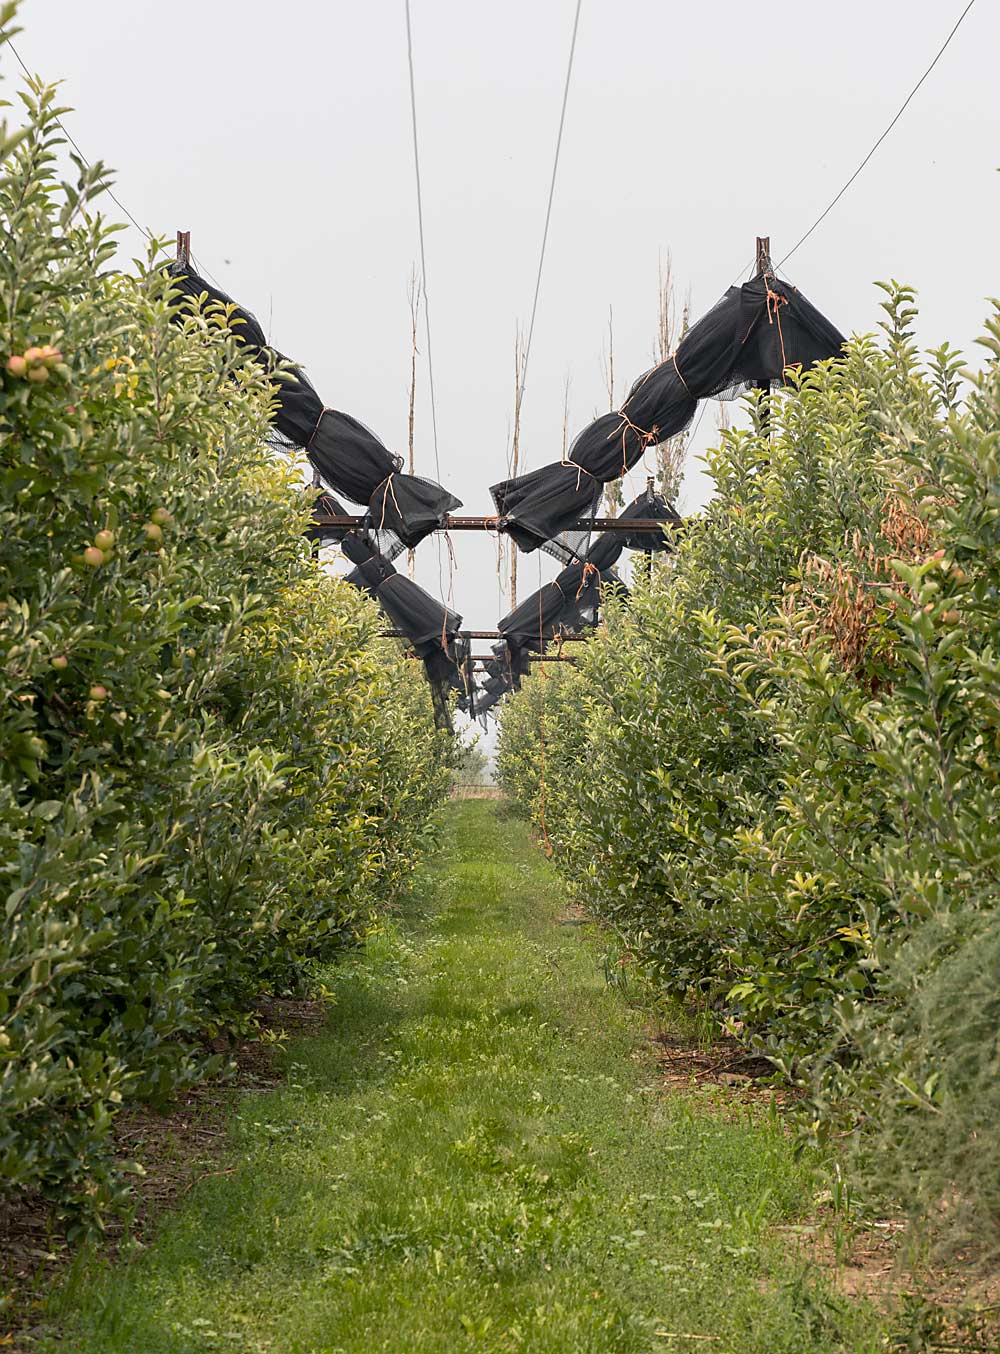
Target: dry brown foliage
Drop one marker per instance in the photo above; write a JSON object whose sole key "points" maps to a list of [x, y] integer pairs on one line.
{"points": [[848, 599]]}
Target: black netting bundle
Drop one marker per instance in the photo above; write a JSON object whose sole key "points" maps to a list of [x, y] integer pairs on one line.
{"points": [[575, 545], [444, 674], [385, 543], [571, 602], [427, 625], [649, 506], [753, 336], [496, 680], [539, 505], [347, 455], [410, 507], [327, 506], [497, 666], [421, 618], [486, 700]]}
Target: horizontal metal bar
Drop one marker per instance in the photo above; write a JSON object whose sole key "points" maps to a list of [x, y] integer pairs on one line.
{"points": [[499, 524], [531, 657], [476, 634]]}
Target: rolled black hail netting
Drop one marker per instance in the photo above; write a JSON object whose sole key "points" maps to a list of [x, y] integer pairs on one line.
{"points": [[571, 602], [346, 455], [429, 627], [756, 334], [567, 606], [753, 336]]}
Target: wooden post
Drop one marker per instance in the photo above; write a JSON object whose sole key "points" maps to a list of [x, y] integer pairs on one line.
{"points": [[184, 247], [763, 250]]}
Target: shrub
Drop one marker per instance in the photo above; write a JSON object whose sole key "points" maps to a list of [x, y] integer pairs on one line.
{"points": [[787, 804], [211, 769]]}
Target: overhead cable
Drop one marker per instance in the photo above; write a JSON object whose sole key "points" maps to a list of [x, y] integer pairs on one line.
{"points": [[104, 181], [899, 113], [420, 224], [552, 190]]}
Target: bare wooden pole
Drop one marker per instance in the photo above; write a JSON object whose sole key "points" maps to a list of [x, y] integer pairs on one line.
{"points": [[612, 491], [413, 292], [665, 308], [670, 454], [515, 451], [763, 261], [565, 425], [611, 360], [763, 266]]}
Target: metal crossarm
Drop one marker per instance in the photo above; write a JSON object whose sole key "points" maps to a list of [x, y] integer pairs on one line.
{"points": [[634, 525]]}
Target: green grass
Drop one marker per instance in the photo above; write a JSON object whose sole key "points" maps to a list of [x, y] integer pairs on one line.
{"points": [[474, 1155]]}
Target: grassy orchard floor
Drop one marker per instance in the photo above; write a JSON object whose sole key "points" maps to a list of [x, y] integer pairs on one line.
{"points": [[473, 1155]]}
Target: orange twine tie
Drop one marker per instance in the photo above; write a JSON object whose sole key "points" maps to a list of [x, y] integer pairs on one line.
{"points": [[774, 303], [677, 369], [312, 436], [588, 569], [647, 439], [387, 483]]}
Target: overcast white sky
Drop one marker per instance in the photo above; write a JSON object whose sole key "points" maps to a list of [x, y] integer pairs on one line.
{"points": [[279, 135]]}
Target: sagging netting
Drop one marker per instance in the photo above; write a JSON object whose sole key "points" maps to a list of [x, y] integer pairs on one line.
{"points": [[569, 604], [757, 333], [430, 628], [347, 456]]}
